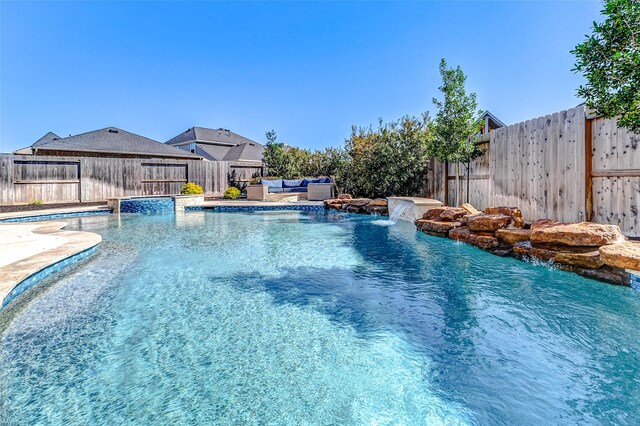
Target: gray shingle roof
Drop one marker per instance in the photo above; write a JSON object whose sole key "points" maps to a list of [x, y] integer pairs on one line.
{"points": [[115, 141], [212, 152], [220, 144], [49, 137], [245, 152]]}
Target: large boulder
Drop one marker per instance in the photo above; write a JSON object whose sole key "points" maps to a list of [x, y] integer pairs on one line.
{"points": [[453, 213], [344, 197], [513, 236], [470, 209], [577, 234], [334, 204], [543, 223], [379, 210], [624, 255], [488, 222], [437, 226], [583, 260], [605, 273], [359, 202], [513, 212], [433, 213], [378, 202], [483, 240]]}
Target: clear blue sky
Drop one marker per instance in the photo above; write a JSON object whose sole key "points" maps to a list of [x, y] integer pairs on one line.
{"points": [[307, 70]]}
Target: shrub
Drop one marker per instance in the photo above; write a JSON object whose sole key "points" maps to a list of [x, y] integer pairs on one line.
{"points": [[191, 188], [232, 193], [36, 202], [232, 180], [391, 160]]}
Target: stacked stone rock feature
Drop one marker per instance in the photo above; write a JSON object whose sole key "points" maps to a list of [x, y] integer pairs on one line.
{"points": [[511, 237], [624, 255], [346, 203], [482, 232], [481, 239], [593, 250], [440, 221], [513, 212], [575, 247]]}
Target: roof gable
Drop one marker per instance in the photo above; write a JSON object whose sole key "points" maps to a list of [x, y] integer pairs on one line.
{"points": [[494, 122], [49, 137], [245, 152], [205, 135], [114, 140]]}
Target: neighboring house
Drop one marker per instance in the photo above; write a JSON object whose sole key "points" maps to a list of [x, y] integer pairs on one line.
{"points": [[218, 145], [107, 142], [491, 122]]}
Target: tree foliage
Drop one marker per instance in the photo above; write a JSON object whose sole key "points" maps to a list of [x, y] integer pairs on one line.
{"points": [[291, 162], [609, 59], [391, 160], [274, 156], [457, 121], [457, 117]]}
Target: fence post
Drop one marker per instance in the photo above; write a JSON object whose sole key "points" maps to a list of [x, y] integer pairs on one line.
{"points": [[588, 166], [446, 183]]}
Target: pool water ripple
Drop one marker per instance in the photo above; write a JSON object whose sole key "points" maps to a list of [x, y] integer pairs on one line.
{"points": [[313, 318]]}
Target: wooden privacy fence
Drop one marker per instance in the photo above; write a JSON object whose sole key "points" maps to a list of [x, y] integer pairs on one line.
{"points": [[568, 166], [26, 178]]}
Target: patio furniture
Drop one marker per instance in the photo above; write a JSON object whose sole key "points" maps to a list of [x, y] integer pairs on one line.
{"points": [[315, 189]]}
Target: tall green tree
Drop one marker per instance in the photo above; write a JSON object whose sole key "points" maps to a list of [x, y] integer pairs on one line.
{"points": [[609, 59], [456, 121], [274, 156]]}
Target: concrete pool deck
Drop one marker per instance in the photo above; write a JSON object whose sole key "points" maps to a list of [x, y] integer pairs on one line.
{"points": [[47, 212], [28, 248]]}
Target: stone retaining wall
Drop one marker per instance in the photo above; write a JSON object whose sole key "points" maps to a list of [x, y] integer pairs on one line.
{"points": [[593, 250], [345, 203]]}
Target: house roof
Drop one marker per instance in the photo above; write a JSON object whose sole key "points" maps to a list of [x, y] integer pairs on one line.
{"points": [[219, 144], [245, 152], [494, 122], [111, 140], [49, 137], [205, 135], [212, 152]]}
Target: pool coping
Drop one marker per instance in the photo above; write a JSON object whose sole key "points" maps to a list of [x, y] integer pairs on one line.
{"points": [[23, 274], [48, 214]]}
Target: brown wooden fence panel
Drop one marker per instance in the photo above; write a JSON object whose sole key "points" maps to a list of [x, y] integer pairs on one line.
{"points": [[537, 165], [25, 179], [616, 175], [479, 181]]}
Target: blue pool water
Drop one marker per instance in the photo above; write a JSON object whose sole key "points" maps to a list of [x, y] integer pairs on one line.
{"points": [[313, 318]]}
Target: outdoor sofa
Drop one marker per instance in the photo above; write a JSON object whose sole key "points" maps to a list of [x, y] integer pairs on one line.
{"points": [[317, 189]]}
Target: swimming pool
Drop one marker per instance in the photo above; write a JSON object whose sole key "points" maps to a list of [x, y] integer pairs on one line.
{"points": [[313, 318]]}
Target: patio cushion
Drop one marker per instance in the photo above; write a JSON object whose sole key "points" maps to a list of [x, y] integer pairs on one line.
{"points": [[325, 180], [275, 183], [296, 189], [292, 183], [275, 189], [306, 182]]}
